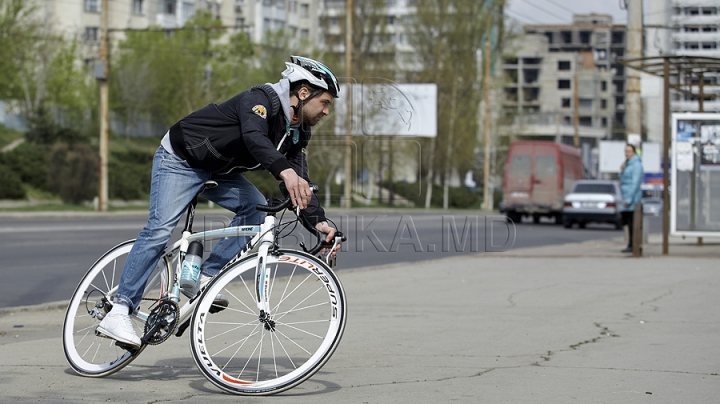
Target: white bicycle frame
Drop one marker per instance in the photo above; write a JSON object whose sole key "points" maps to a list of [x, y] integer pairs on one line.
{"points": [[263, 237]]}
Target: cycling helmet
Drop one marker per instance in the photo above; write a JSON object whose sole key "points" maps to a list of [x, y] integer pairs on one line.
{"points": [[315, 73]]}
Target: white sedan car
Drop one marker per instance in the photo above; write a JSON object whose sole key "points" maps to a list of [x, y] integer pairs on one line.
{"points": [[596, 201]]}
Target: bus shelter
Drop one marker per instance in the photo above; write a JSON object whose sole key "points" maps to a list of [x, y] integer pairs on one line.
{"points": [[696, 194]]}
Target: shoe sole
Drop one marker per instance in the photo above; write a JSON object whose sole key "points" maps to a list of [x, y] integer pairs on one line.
{"points": [[105, 334]]}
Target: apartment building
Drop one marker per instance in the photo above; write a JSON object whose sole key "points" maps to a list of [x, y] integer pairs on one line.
{"points": [[548, 90], [82, 18], [595, 34], [679, 27], [390, 42]]}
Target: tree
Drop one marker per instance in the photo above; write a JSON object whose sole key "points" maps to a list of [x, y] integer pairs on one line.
{"points": [[447, 36], [38, 68], [165, 75]]}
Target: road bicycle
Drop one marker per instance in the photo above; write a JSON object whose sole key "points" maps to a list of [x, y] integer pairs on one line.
{"points": [[286, 314]]}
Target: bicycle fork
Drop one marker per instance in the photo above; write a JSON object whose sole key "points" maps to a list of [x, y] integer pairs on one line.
{"points": [[262, 274]]}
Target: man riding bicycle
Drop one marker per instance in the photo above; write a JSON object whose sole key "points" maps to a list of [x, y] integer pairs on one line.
{"points": [[265, 127]]}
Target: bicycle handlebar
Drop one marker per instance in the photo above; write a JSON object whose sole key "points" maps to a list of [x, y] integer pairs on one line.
{"points": [[321, 243]]}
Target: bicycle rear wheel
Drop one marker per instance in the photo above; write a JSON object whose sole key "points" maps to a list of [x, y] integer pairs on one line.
{"points": [[243, 353], [92, 355]]}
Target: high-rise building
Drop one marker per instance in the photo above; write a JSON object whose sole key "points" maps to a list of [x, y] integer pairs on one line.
{"points": [[82, 18], [680, 28], [597, 35]]}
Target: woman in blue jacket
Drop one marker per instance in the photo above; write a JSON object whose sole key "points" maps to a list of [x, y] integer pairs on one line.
{"points": [[630, 180]]}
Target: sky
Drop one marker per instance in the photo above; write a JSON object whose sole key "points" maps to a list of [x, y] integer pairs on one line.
{"points": [[561, 11]]}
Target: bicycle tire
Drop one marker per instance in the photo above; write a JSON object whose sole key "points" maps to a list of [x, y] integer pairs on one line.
{"points": [[95, 356], [240, 354]]}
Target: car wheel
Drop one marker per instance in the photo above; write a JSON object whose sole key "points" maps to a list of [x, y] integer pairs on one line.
{"points": [[514, 217], [567, 223]]}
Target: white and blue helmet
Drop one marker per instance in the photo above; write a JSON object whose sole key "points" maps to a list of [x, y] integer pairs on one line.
{"points": [[313, 72]]}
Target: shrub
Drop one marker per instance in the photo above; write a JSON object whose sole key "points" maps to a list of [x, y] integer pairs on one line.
{"points": [[129, 175], [11, 185], [73, 172], [29, 161]]}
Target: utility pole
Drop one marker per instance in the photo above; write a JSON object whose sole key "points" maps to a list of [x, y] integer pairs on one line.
{"points": [[103, 84], [349, 118], [487, 197], [633, 119], [576, 101]]}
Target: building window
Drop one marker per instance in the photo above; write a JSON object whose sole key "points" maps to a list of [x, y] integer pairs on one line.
{"points": [[566, 102], [603, 104], [92, 6], [169, 7], [188, 9], [563, 84], [239, 22], [585, 37], [564, 65], [304, 34], [603, 122], [586, 121], [280, 4], [586, 103], [137, 7], [305, 10], [709, 45], [92, 34], [566, 36]]}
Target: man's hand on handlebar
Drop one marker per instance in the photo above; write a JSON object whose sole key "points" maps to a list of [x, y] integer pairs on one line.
{"points": [[330, 238], [298, 189]]}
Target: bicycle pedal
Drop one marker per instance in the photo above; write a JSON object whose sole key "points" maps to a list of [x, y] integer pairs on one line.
{"points": [[127, 347]]}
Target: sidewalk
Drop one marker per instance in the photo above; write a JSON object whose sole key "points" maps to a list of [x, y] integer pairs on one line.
{"points": [[576, 323]]}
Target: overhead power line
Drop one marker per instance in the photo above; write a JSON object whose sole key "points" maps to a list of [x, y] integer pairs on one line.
{"points": [[531, 3]]}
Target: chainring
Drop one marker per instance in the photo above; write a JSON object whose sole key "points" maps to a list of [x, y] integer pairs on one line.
{"points": [[161, 322]]}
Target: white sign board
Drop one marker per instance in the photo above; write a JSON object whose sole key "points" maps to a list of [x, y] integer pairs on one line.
{"points": [[694, 208], [388, 109], [612, 156]]}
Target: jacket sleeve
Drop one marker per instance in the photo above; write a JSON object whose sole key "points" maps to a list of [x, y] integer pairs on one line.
{"points": [[296, 157], [254, 111]]}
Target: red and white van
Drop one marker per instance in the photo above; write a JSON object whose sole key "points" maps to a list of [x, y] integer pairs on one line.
{"points": [[538, 175]]}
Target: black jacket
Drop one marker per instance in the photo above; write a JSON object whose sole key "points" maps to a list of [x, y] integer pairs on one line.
{"points": [[247, 132]]}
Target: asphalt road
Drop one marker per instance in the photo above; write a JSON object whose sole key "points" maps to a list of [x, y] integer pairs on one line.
{"points": [[44, 258]]}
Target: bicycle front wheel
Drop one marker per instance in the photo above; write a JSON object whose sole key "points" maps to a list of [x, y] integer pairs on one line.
{"points": [[245, 352], [92, 355]]}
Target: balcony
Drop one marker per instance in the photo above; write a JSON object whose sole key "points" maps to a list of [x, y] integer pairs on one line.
{"points": [[696, 19], [167, 20], [694, 106], [695, 36]]}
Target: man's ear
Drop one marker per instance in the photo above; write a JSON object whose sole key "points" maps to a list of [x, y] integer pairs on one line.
{"points": [[303, 93]]}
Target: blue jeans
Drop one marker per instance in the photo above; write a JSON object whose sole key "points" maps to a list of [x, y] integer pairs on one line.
{"points": [[174, 184]]}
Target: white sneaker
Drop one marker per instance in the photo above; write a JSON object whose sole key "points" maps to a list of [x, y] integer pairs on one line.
{"points": [[118, 326]]}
